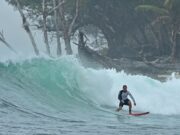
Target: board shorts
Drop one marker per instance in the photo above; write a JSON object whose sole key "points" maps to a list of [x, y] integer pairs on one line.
{"points": [[125, 103]]}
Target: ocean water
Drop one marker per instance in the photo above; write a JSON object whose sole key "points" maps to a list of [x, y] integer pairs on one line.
{"points": [[41, 96]]}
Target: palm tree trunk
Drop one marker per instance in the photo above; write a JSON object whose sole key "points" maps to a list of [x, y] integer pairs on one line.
{"points": [[178, 45], [27, 29], [57, 29], [45, 28], [68, 45], [174, 46], [2, 39]]}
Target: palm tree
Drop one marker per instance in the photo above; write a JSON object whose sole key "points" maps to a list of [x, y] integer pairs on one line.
{"points": [[169, 13]]}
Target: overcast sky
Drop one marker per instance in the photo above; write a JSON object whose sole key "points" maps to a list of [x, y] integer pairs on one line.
{"points": [[11, 24], [15, 35]]}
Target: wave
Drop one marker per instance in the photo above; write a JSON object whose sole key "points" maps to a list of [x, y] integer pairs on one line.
{"points": [[64, 85]]}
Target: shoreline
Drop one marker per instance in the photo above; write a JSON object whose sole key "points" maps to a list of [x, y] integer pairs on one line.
{"points": [[158, 70]]}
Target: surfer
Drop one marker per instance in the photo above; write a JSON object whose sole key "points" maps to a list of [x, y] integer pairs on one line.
{"points": [[123, 98]]}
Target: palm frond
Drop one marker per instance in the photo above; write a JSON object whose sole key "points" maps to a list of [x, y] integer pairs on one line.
{"points": [[168, 4], [152, 8]]}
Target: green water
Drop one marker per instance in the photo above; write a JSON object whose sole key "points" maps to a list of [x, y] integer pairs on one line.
{"points": [[52, 97]]}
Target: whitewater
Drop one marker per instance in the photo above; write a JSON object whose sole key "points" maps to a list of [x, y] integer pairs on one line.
{"points": [[43, 96]]}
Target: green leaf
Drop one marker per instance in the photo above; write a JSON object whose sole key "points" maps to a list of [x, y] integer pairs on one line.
{"points": [[168, 4], [152, 8]]}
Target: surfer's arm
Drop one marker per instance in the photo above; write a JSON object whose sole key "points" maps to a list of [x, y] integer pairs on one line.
{"points": [[132, 97], [120, 97]]}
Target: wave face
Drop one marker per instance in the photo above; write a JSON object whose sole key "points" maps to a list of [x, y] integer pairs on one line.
{"points": [[63, 85], [45, 96]]}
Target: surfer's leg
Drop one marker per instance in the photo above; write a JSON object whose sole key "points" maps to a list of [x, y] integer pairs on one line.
{"points": [[120, 107], [130, 106]]}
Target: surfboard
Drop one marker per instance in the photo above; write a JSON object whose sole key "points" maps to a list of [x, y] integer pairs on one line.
{"points": [[139, 113]]}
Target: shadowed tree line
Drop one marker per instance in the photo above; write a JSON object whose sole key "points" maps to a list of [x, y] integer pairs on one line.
{"points": [[140, 29]]}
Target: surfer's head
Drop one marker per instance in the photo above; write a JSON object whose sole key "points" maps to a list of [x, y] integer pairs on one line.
{"points": [[124, 87]]}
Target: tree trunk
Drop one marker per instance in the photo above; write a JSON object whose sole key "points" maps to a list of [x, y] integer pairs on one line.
{"points": [[45, 27], [2, 39], [67, 27], [178, 46], [33, 43], [57, 29], [174, 45], [64, 25], [68, 45], [173, 54], [26, 27], [74, 19]]}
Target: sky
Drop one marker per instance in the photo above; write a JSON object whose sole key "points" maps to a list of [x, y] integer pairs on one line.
{"points": [[16, 36]]}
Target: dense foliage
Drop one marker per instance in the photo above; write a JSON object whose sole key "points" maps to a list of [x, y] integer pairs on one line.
{"points": [[135, 29]]}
